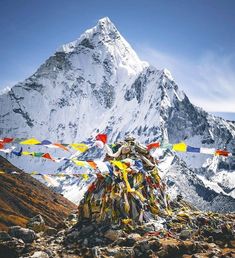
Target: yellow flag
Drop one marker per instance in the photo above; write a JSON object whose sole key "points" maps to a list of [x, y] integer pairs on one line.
{"points": [[119, 164], [31, 141], [82, 147], [125, 178], [26, 153], [2, 172], [126, 221], [79, 162], [126, 204], [33, 173], [180, 147], [85, 177]]}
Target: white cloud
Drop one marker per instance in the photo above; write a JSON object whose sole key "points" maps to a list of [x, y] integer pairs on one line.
{"points": [[209, 80]]}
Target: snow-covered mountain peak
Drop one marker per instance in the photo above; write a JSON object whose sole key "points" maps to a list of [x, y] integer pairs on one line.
{"points": [[106, 26], [104, 31], [167, 73], [104, 45]]}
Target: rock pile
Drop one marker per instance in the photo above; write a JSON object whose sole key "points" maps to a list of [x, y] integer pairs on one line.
{"points": [[130, 193]]}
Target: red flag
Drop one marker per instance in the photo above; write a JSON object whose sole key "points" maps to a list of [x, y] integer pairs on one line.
{"points": [[1, 145], [101, 137], [153, 145], [7, 140], [47, 156], [91, 187], [222, 153]]}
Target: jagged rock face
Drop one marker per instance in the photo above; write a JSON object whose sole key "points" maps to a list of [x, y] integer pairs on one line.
{"points": [[97, 82]]}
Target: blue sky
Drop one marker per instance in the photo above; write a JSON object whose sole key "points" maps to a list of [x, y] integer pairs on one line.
{"points": [[194, 39]]}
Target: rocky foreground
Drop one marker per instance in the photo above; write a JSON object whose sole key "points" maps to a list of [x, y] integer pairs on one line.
{"points": [[187, 233]]}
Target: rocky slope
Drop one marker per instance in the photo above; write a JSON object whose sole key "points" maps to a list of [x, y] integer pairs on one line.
{"points": [[22, 197], [187, 233], [98, 83]]}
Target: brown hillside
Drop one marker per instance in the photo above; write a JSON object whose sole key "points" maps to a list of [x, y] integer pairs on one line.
{"points": [[22, 197]]}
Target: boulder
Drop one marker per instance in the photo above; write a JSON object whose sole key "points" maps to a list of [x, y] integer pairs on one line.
{"points": [[50, 231], [4, 236], [113, 235], [185, 234], [87, 229], [40, 254], [37, 224], [27, 235], [72, 216], [12, 248], [72, 219]]}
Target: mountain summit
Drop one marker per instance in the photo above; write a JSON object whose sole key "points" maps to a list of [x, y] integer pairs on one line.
{"points": [[98, 83]]}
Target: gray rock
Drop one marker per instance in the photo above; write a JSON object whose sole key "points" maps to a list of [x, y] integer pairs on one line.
{"points": [[4, 236], [87, 230], [185, 234], [72, 216], [12, 248], [50, 231], [85, 242], [73, 236], [40, 254], [27, 235], [37, 224], [113, 235]]}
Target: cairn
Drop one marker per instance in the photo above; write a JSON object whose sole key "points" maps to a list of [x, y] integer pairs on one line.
{"points": [[132, 193]]}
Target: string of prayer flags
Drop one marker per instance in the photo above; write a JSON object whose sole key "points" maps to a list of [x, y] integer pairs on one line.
{"points": [[183, 147], [99, 141]]}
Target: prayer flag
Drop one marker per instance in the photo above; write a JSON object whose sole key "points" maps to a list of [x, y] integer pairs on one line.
{"points": [[101, 137], [207, 150], [222, 153], [180, 147], [193, 149], [79, 146], [31, 141]]}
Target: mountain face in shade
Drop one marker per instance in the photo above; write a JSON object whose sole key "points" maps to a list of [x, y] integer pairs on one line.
{"points": [[98, 83], [22, 197]]}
